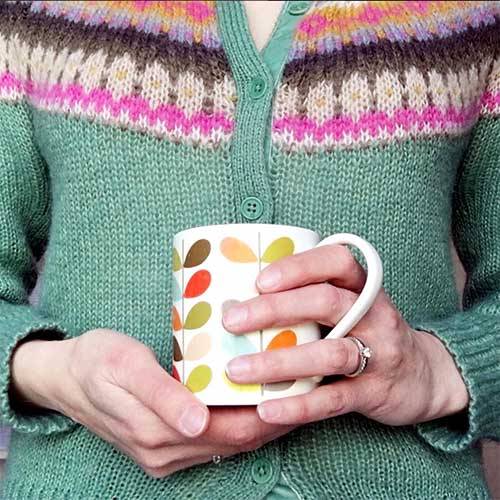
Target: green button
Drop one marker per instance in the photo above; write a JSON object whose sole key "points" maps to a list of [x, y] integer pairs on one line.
{"points": [[262, 470], [298, 8], [258, 87], [251, 208]]}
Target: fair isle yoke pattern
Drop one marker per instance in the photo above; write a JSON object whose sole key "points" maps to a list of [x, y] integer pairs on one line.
{"points": [[361, 73], [358, 73], [154, 67]]}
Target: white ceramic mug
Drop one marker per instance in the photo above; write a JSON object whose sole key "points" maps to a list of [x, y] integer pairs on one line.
{"points": [[216, 266]]}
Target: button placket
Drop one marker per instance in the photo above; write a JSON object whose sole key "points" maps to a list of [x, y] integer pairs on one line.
{"points": [[262, 470], [298, 8]]}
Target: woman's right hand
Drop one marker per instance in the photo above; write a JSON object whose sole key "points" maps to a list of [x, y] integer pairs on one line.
{"points": [[114, 385]]}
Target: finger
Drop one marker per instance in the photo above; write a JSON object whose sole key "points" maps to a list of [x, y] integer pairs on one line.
{"points": [[323, 303], [326, 401], [333, 263], [321, 357], [174, 404], [239, 428]]}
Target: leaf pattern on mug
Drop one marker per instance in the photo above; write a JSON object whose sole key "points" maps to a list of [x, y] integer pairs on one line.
{"points": [[176, 260], [198, 315], [177, 350], [199, 378], [236, 345], [286, 338], [175, 374], [198, 253], [241, 387], [176, 319], [236, 250], [176, 290], [198, 284], [198, 347], [282, 247], [279, 386]]}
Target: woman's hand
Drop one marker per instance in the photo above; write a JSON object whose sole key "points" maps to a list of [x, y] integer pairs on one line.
{"points": [[410, 378], [113, 384]]}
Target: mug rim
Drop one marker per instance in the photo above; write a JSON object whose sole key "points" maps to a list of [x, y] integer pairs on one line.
{"points": [[241, 225]]}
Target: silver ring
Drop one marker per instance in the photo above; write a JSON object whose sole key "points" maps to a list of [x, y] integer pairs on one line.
{"points": [[365, 353], [216, 459]]}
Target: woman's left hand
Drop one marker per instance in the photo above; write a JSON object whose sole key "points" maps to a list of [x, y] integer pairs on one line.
{"points": [[410, 378]]}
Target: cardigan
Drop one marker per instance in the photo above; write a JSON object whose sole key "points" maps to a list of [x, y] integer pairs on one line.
{"points": [[122, 123]]}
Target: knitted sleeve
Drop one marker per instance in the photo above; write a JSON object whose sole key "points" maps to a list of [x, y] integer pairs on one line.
{"points": [[24, 221], [473, 336]]}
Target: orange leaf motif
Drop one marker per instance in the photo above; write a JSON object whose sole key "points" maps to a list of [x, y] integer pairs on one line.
{"points": [[236, 250], [198, 284], [286, 338], [176, 320]]}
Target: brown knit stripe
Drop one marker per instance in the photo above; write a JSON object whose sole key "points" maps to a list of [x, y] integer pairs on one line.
{"points": [[59, 34], [386, 91], [455, 53]]}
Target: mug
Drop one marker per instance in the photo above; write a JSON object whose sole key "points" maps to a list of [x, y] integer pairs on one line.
{"points": [[217, 266]]}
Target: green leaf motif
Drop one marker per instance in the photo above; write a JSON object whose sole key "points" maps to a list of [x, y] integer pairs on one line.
{"points": [[197, 254], [176, 261], [198, 316], [199, 378], [282, 247]]}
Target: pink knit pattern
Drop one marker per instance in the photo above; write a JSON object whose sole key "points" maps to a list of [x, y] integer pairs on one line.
{"points": [[99, 104]]}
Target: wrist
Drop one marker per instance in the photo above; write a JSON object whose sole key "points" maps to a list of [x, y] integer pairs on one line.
{"points": [[37, 370], [449, 392]]}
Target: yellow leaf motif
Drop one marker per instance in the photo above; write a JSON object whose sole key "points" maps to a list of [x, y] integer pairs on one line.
{"points": [[282, 247], [199, 378], [241, 387]]}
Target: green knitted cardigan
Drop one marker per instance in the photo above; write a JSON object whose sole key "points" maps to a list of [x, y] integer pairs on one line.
{"points": [[122, 123]]}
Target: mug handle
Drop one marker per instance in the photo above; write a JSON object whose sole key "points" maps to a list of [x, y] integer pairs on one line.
{"points": [[372, 285]]}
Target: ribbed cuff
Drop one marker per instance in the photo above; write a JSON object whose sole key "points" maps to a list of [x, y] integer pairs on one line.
{"points": [[17, 322], [473, 339]]}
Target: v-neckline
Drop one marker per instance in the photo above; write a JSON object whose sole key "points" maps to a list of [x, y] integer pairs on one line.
{"points": [[233, 22]]}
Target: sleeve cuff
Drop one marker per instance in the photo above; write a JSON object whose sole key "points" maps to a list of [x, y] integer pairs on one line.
{"points": [[17, 323], [473, 340]]}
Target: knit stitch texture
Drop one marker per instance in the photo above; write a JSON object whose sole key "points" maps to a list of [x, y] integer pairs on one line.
{"points": [[122, 123]]}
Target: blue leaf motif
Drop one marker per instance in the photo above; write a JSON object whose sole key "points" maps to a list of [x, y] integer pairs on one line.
{"points": [[237, 344], [176, 290]]}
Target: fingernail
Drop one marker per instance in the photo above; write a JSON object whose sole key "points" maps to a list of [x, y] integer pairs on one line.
{"points": [[269, 278], [193, 420], [269, 411], [235, 315], [238, 367]]}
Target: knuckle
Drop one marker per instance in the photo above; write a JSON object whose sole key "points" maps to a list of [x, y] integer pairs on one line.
{"points": [[328, 300], [242, 437], [393, 356], [393, 319], [336, 403], [302, 412], [155, 473], [152, 461], [341, 355], [147, 439], [346, 258]]}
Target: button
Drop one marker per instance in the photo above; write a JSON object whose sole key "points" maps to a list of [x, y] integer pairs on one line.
{"points": [[262, 470], [298, 8], [258, 87], [251, 208]]}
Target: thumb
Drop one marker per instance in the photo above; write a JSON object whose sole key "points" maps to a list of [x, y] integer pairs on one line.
{"points": [[176, 405]]}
